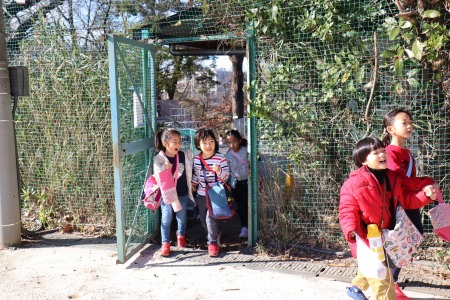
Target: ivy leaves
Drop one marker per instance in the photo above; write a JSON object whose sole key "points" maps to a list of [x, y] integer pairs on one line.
{"points": [[417, 38]]}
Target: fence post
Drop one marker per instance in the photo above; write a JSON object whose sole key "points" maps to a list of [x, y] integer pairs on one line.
{"points": [[252, 135], [9, 198]]}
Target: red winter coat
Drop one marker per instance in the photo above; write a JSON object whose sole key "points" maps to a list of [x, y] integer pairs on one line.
{"points": [[361, 203]]}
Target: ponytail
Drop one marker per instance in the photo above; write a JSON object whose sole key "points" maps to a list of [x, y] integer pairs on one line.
{"points": [[386, 138], [158, 141], [244, 142]]}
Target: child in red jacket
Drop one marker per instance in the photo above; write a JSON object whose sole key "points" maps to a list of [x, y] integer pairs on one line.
{"points": [[371, 195], [398, 126]]}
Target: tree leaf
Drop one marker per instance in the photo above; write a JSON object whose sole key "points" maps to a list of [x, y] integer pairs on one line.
{"points": [[345, 77], [394, 33], [388, 54], [406, 24], [274, 13], [417, 50], [412, 72], [398, 67], [360, 75], [410, 53], [431, 14], [398, 88], [413, 82]]}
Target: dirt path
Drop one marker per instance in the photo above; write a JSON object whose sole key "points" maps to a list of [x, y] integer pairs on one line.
{"points": [[87, 270]]}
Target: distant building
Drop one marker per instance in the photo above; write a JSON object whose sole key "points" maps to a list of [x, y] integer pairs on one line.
{"points": [[169, 111]]}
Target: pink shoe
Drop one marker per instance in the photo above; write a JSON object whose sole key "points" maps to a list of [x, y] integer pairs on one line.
{"points": [[213, 250], [399, 293], [165, 249], [181, 241]]}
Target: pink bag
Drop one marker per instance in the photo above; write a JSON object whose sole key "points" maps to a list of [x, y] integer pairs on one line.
{"points": [[440, 218], [152, 194], [169, 187]]}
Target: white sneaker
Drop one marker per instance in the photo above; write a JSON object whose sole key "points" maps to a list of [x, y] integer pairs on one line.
{"points": [[244, 233]]}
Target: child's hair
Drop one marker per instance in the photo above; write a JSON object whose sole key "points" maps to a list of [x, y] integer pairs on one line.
{"points": [[363, 148], [203, 134], [389, 120], [237, 135], [163, 136]]}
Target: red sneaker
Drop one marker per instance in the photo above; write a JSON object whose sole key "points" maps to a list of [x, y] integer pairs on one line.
{"points": [[165, 249], [213, 250], [399, 293], [181, 241]]}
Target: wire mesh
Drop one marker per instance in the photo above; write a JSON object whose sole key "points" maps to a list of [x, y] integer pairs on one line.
{"points": [[134, 124], [322, 84]]}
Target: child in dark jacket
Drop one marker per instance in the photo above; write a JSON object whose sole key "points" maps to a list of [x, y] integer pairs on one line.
{"points": [[371, 195]]}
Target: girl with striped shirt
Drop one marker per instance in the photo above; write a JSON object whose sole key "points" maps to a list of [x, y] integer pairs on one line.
{"points": [[206, 141]]}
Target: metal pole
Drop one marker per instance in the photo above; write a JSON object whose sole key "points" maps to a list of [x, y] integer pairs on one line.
{"points": [[9, 198], [252, 134]]}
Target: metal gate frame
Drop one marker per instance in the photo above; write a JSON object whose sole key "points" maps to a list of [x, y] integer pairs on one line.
{"points": [[120, 150], [252, 134]]}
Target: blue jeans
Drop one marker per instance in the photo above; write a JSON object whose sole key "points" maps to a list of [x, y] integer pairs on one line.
{"points": [[166, 219]]}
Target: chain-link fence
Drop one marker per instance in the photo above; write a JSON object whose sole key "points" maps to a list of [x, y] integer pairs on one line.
{"points": [[327, 72]]}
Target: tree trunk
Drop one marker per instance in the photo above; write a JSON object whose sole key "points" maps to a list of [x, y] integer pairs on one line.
{"points": [[237, 85], [172, 84]]}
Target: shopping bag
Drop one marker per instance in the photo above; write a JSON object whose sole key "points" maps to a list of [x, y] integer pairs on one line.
{"points": [[151, 195], [168, 187], [368, 263], [401, 243], [219, 201], [219, 198], [440, 218]]}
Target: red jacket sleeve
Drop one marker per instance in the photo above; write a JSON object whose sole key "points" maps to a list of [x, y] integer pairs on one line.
{"points": [[415, 183], [348, 212], [414, 197]]}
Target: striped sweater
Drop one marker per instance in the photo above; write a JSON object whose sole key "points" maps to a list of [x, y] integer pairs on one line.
{"points": [[199, 180]]}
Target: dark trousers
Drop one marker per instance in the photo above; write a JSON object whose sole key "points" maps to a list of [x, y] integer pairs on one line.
{"points": [[240, 194], [416, 218]]}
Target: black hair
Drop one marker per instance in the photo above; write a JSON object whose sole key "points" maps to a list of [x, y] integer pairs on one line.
{"points": [[163, 136], [237, 135], [202, 134], [363, 148], [389, 120]]}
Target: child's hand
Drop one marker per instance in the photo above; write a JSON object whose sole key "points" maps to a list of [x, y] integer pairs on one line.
{"points": [[194, 188], [216, 168], [352, 236], [430, 192], [168, 165]]}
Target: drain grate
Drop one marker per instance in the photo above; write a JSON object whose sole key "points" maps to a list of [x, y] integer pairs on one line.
{"points": [[186, 256]]}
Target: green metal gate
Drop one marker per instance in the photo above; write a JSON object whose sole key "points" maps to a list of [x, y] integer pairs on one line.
{"points": [[133, 120]]}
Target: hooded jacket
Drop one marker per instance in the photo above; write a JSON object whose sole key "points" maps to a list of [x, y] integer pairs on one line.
{"points": [[361, 201]]}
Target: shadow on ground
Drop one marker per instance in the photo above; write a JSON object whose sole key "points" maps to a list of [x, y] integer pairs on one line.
{"points": [[196, 235]]}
